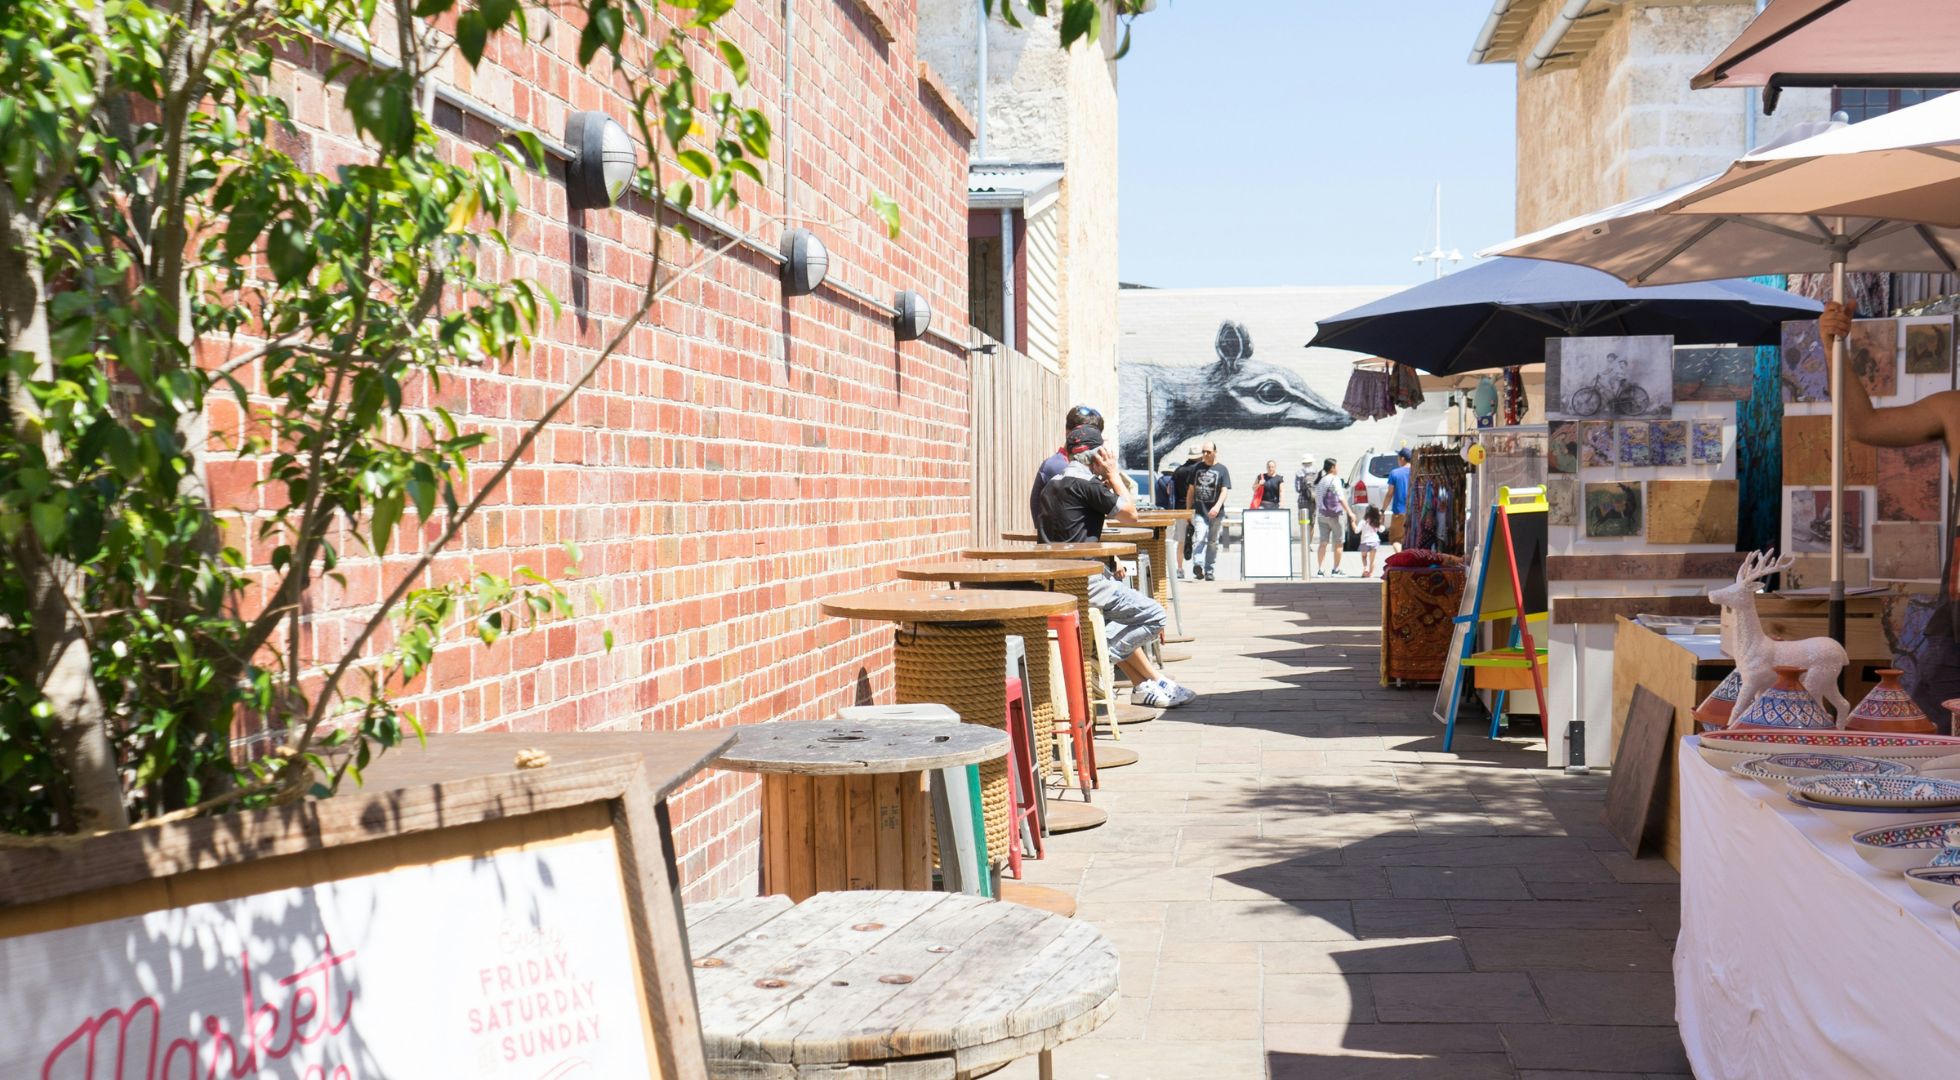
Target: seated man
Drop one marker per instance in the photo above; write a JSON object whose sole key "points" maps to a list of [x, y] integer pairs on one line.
{"points": [[1052, 466], [1072, 510]]}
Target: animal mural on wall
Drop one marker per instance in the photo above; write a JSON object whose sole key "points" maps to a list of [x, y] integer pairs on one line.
{"points": [[1234, 391]]}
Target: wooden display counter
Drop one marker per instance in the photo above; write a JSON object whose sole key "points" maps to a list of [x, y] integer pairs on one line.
{"points": [[1685, 668]]}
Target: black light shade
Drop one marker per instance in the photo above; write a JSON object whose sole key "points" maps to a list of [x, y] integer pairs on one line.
{"points": [[912, 315], [604, 160], [805, 262]]}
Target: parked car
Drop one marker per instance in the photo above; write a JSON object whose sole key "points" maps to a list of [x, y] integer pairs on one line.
{"points": [[1367, 480], [1144, 487]]}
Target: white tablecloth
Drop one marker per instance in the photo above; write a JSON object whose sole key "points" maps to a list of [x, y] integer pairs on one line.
{"points": [[1796, 957]]}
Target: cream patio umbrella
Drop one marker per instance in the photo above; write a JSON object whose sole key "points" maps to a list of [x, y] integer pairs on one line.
{"points": [[1883, 195]]}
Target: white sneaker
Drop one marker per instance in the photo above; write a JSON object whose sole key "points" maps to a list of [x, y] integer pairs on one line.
{"points": [[1151, 694]]}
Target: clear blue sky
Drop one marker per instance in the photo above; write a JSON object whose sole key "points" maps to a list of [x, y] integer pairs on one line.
{"points": [[1298, 142]]}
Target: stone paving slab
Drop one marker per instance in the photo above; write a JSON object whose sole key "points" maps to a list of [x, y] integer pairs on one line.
{"points": [[1301, 884]]}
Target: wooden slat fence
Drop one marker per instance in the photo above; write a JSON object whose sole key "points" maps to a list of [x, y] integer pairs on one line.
{"points": [[1017, 415]]}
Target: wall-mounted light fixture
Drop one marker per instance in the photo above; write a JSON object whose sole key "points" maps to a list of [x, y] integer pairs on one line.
{"points": [[805, 262], [603, 160], [911, 315]]}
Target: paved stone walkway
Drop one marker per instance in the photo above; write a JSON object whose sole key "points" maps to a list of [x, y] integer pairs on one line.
{"points": [[1302, 885]]}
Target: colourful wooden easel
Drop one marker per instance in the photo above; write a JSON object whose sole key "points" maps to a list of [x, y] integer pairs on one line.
{"points": [[1504, 591]]}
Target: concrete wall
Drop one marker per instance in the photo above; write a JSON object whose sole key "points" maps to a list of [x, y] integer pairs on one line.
{"points": [[1169, 334], [1045, 104], [1623, 123], [742, 457]]}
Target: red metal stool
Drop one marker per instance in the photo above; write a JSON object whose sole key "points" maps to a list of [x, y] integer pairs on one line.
{"points": [[1080, 728], [1024, 817]]}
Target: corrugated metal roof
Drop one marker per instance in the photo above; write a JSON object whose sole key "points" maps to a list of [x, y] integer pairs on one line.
{"points": [[1011, 184]]}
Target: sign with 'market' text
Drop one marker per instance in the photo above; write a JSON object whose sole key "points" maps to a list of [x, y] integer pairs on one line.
{"points": [[515, 965]]}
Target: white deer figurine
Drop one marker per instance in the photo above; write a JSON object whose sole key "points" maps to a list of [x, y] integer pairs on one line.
{"points": [[1756, 654]]}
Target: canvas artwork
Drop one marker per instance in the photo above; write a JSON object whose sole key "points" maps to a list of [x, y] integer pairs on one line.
{"points": [[1806, 371], [1691, 511], [1714, 374], [1905, 551], [1562, 499], [1814, 572], [1909, 482], [1670, 439], [1637, 444], [1873, 352], [1613, 510], [1705, 442], [1810, 521], [1807, 454], [1609, 377], [1518, 470], [1564, 448], [1596, 443], [1929, 347]]}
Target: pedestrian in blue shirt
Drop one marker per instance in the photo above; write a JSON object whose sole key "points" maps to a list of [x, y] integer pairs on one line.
{"points": [[1398, 500]]}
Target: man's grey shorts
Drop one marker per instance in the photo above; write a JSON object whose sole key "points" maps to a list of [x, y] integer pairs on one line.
{"points": [[1130, 618]]}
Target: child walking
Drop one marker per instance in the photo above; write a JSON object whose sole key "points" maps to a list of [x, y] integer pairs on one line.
{"points": [[1371, 540]]}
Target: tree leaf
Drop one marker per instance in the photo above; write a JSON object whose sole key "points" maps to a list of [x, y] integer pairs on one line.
{"points": [[738, 65], [698, 163], [887, 210], [1080, 18], [472, 30], [290, 251]]}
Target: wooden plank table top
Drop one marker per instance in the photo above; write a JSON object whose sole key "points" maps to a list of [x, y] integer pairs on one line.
{"points": [[948, 606], [1092, 550], [834, 748], [951, 985], [987, 570], [670, 756], [1111, 533]]}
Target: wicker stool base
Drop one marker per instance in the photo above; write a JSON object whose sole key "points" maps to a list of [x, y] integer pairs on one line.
{"points": [[963, 667]]}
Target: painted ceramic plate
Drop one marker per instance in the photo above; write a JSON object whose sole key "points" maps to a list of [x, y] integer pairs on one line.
{"points": [[1883, 792], [1852, 819], [1727, 749], [1899, 848], [1781, 770]]}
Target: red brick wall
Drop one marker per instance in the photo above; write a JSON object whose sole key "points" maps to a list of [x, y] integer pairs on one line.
{"points": [[717, 484]]}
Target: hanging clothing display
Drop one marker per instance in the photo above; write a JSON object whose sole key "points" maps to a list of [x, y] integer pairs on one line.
{"points": [[1439, 484], [1408, 386], [1516, 401], [1370, 394]]}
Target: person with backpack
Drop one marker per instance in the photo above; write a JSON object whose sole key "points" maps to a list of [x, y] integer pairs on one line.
{"points": [[1332, 516], [1303, 485]]}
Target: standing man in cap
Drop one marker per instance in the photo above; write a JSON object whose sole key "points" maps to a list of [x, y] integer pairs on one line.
{"points": [[1074, 506], [1181, 483]]}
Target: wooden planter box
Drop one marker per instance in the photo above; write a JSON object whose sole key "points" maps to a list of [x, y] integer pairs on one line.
{"points": [[456, 916]]}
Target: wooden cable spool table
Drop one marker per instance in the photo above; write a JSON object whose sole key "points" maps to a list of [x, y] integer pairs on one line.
{"points": [[1165, 523], [1106, 550], [844, 805], [1055, 575], [1119, 534], [892, 985], [951, 649]]}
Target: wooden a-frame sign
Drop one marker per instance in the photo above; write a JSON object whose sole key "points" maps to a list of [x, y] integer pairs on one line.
{"points": [[457, 916]]}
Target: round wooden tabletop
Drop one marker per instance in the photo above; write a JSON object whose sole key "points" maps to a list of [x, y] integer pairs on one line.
{"points": [[1157, 519], [949, 605], [1052, 551], [985, 570], [1111, 533], [949, 984], [831, 748]]}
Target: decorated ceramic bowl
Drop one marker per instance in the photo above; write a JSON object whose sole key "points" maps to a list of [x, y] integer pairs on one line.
{"points": [[1853, 819], [1727, 749], [1898, 848], [1892, 792], [1940, 884], [1781, 770]]}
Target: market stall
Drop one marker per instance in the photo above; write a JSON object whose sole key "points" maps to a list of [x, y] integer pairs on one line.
{"points": [[1796, 957]]}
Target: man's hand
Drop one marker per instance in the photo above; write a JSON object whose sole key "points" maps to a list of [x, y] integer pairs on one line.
{"points": [[1103, 464], [1121, 571], [1834, 323], [1213, 512]]}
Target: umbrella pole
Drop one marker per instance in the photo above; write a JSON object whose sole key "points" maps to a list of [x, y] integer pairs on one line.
{"points": [[1836, 619]]}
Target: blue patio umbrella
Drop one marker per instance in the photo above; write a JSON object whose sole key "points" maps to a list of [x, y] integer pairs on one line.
{"points": [[1499, 313]]}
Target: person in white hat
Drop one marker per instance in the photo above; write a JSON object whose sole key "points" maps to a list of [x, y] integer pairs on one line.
{"points": [[1303, 483]]}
